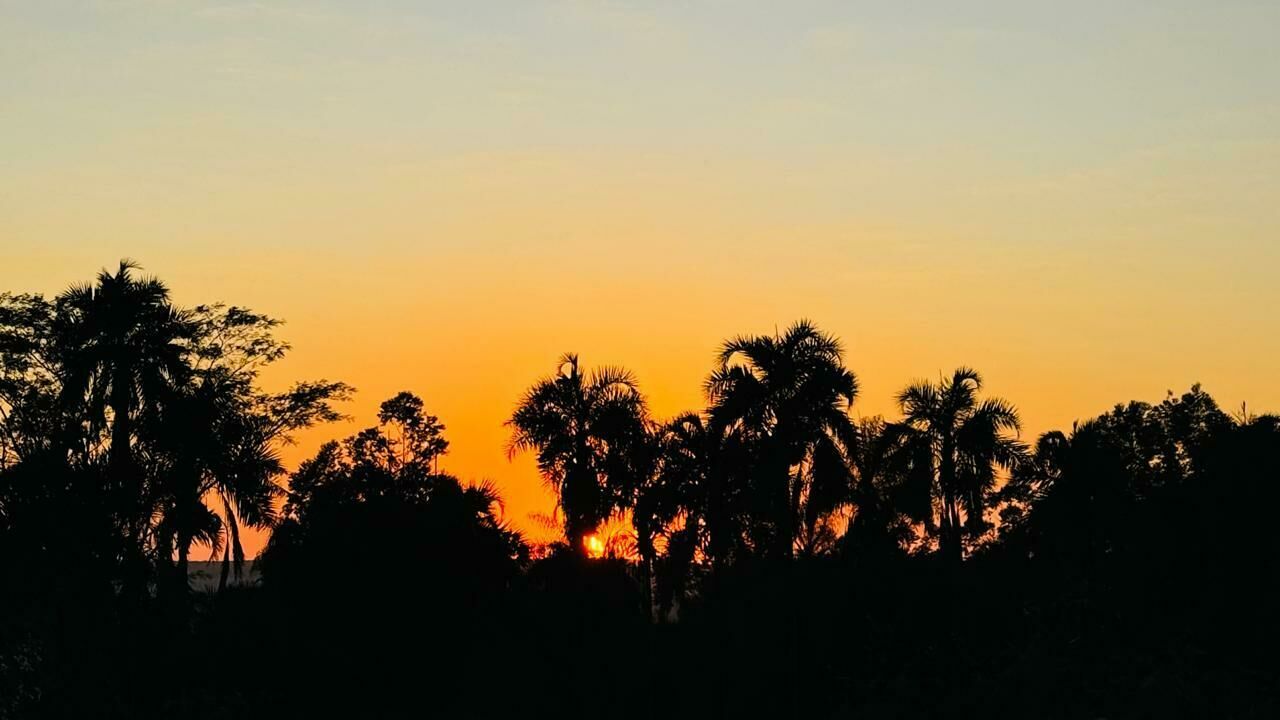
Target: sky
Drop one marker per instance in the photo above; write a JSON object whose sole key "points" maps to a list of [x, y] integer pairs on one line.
{"points": [[1081, 200]]}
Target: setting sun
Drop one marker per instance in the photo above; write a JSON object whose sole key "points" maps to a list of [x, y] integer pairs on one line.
{"points": [[594, 545]]}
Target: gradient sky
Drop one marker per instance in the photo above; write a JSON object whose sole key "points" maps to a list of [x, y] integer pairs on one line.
{"points": [[1080, 199]]}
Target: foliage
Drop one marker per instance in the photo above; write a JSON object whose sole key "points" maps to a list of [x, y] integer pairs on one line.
{"points": [[158, 404], [787, 400], [784, 559], [591, 435], [957, 442], [376, 500]]}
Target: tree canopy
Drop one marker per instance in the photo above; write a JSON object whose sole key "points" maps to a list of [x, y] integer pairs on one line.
{"points": [[778, 555]]}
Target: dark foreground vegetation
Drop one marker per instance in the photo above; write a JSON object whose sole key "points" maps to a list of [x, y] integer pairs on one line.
{"points": [[781, 558]]}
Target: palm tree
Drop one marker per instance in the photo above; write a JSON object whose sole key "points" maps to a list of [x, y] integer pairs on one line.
{"points": [[788, 396], [681, 481], [123, 347], [590, 432], [694, 505], [681, 489], [242, 478], [126, 344], [882, 465], [213, 466], [959, 442], [215, 437], [181, 455]]}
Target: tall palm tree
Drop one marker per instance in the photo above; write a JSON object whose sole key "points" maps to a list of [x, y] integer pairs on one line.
{"points": [[590, 432], [123, 347], [960, 441], [788, 396]]}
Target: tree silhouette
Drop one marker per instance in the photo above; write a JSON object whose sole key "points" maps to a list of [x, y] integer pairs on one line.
{"points": [[371, 530], [959, 441], [122, 346], [32, 418], [374, 503], [789, 397], [1078, 493], [406, 441], [166, 400], [783, 550], [882, 465], [590, 433], [681, 488]]}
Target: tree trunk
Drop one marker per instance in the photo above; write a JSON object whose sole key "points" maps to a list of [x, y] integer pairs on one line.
{"points": [[785, 526], [226, 567], [179, 585], [125, 479], [951, 544], [121, 422], [183, 550], [576, 538]]}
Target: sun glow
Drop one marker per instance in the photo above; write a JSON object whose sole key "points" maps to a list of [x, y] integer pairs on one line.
{"points": [[593, 545]]}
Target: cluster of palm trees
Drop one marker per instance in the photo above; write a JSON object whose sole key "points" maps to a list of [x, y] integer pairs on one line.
{"points": [[797, 545], [155, 409], [776, 466]]}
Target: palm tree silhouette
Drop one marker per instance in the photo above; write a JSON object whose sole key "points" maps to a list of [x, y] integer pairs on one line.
{"points": [[882, 465], [682, 487], [959, 441], [235, 466], [590, 432], [217, 435], [789, 396], [124, 347]]}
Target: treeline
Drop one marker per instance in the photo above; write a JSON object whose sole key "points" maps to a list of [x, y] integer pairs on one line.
{"points": [[773, 554]]}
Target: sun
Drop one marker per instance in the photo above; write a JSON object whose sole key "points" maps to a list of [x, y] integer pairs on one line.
{"points": [[593, 545]]}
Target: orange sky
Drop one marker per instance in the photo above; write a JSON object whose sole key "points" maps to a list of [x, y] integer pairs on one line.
{"points": [[1080, 203]]}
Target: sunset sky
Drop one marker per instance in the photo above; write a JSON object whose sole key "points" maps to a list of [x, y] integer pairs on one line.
{"points": [[1082, 200]]}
